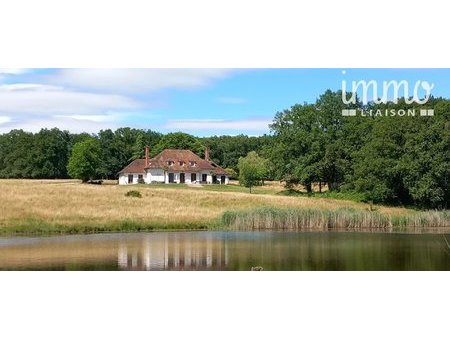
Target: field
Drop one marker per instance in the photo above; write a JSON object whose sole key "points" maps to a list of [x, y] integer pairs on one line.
{"points": [[67, 206]]}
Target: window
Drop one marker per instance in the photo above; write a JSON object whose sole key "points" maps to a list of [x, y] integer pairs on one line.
{"points": [[170, 163], [181, 163], [192, 163]]}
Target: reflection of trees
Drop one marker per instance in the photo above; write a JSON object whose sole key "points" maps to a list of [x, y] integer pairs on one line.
{"points": [[339, 251]]}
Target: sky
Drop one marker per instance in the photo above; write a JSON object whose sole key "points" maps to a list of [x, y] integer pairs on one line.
{"points": [[201, 102]]}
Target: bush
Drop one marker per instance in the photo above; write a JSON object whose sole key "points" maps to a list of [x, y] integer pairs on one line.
{"points": [[133, 193]]}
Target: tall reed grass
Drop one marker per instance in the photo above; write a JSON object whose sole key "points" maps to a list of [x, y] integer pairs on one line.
{"points": [[321, 219]]}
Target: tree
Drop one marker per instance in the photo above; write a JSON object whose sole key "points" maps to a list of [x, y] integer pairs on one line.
{"points": [[307, 145], [50, 152], [226, 150], [84, 160], [179, 141], [138, 147], [298, 147], [252, 170]]}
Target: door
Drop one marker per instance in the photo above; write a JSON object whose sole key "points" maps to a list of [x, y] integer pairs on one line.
{"points": [[214, 179], [130, 179], [193, 178], [222, 179], [171, 178], [204, 177], [182, 178]]}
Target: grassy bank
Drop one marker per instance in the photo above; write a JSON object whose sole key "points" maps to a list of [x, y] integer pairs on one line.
{"points": [[67, 206], [319, 219], [43, 228]]}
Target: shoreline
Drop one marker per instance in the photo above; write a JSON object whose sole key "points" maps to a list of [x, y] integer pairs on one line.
{"points": [[63, 230]]}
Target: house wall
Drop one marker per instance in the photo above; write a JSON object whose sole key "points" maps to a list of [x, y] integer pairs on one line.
{"points": [[208, 177], [158, 175], [123, 178], [187, 176], [155, 175]]}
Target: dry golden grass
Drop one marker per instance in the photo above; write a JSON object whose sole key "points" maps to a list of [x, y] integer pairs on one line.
{"points": [[70, 203]]}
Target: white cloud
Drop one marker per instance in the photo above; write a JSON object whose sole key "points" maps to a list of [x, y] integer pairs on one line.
{"points": [[15, 87], [93, 118], [31, 107], [132, 80], [43, 100], [216, 124], [35, 124], [4, 119], [230, 100], [13, 71]]}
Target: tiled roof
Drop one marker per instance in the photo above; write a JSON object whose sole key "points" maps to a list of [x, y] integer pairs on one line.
{"points": [[137, 166], [180, 161], [177, 160]]}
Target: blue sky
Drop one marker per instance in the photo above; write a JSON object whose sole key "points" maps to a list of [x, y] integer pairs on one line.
{"points": [[198, 101]]}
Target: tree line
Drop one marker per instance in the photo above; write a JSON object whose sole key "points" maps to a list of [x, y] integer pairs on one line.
{"points": [[389, 159], [46, 154]]}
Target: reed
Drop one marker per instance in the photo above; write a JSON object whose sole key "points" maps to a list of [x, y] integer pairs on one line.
{"points": [[322, 219]]}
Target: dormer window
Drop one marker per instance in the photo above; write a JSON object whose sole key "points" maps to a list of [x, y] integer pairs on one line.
{"points": [[181, 163], [192, 163], [170, 163]]}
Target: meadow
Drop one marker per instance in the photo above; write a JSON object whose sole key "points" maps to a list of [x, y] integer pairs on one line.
{"points": [[67, 206]]}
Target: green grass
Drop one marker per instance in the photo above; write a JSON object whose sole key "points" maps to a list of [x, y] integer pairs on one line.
{"points": [[350, 196], [28, 227], [265, 190]]}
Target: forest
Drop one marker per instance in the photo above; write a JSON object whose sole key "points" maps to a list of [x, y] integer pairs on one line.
{"points": [[398, 160]]}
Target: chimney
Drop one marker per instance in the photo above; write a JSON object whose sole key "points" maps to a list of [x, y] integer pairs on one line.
{"points": [[146, 156], [207, 154]]}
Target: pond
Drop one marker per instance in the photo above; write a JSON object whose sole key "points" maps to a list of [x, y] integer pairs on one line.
{"points": [[222, 250]]}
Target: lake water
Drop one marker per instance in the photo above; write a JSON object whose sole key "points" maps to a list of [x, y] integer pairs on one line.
{"points": [[228, 251]]}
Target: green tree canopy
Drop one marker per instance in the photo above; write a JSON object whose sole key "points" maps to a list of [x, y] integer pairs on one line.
{"points": [[84, 160], [307, 147], [179, 141], [252, 170]]}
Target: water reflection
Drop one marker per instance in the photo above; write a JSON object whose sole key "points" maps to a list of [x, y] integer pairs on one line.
{"points": [[172, 251], [227, 251]]}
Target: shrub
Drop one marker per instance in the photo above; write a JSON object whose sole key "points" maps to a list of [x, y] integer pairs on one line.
{"points": [[133, 193]]}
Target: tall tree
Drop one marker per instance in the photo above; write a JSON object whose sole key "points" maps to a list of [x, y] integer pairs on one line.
{"points": [[84, 160], [50, 154]]}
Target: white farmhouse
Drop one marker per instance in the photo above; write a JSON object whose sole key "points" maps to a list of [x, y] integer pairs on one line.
{"points": [[173, 166]]}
